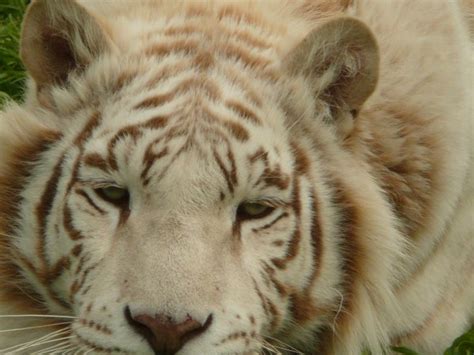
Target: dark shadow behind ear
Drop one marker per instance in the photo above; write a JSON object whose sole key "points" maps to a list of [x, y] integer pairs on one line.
{"points": [[340, 60], [58, 37]]}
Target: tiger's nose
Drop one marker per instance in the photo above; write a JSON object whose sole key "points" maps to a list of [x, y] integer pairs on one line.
{"points": [[165, 336]]}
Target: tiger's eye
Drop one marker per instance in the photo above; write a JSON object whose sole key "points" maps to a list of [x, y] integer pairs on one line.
{"points": [[253, 210], [115, 195]]}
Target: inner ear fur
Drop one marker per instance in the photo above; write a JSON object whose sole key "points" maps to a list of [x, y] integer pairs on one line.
{"points": [[340, 61], [59, 36]]}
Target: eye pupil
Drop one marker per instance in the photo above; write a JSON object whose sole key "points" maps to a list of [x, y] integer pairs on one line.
{"points": [[253, 210]]}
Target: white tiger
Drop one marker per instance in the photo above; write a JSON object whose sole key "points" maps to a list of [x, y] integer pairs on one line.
{"points": [[221, 177]]}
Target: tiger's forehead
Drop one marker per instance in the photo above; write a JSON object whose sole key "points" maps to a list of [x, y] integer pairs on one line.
{"points": [[188, 90], [155, 146]]}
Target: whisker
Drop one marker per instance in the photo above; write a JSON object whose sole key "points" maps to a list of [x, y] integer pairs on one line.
{"points": [[46, 342], [67, 349], [77, 352], [284, 346], [269, 347], [36, 316], [27, 344], [52, 348], [339, 310], [63, 350], [34, 327]]}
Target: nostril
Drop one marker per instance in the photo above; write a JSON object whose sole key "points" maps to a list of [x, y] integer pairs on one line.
{"points": [[165, 336]]}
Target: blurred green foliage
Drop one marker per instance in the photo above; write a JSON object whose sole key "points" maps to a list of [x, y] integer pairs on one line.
{"points": [[12, 74]]}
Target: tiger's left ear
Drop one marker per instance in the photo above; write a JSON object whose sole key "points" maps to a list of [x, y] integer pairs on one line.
{"points": [[340, 60]]}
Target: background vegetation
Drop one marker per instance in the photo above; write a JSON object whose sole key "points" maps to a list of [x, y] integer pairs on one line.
{"points": [[11, 70], [12, 77]]}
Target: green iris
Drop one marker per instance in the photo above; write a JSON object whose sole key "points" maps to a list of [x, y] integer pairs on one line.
{"points": [[115, 195], [253, 210]]}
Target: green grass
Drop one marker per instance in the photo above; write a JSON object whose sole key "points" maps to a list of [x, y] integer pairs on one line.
{"points": [[12, 77], [11, 70]]}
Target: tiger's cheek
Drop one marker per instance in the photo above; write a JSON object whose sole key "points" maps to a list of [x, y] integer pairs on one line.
{"points": [[90, 226]]}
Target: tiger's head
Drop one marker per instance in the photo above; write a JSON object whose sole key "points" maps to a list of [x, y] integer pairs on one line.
{"points": [[181, 189]]}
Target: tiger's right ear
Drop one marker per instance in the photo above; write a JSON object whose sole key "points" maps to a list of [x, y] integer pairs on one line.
{"points": [[58, 37]]}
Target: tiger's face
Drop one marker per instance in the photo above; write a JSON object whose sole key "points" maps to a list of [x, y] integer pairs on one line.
{"points": [[186, 221], [172, 218], [180, 211]]}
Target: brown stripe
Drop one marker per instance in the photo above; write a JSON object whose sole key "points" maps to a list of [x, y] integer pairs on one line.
{"points": [[270, 224], [95, 326], [150, 158], [124, 79], [275, 315], [57, 270], [303, 307], [249, 39], [262, 298], [73, 233], [235, 13], [260, 154], [350, 251], [133, 131], [237, 130], [316, 241], [90, 201], [77, 250], [167, 72], [202, 84], [227, 176], [203, 60], [242, 82], [92, 124], [251, 60], [302, 162], [155, 101], [186, 29], [86, 272], [294, 243], [281, 289], [95, 160], [13, 180], [43, 210], [270, 176], [183, 45], [244, 112]]}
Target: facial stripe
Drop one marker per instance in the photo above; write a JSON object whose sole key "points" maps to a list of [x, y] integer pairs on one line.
{"points": [[281, 289], [294, 242], [271, 223], [303, 306], [150, 158], [244, 112], [350, 252], [95, 160], [271, 176], [43, 209], [90, 201], [87, 131], [178, 46], [133, 132], [72, 232], [229, 175]]}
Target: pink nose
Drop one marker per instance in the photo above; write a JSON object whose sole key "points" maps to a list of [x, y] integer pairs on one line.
{"points": [[165, 336]]}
